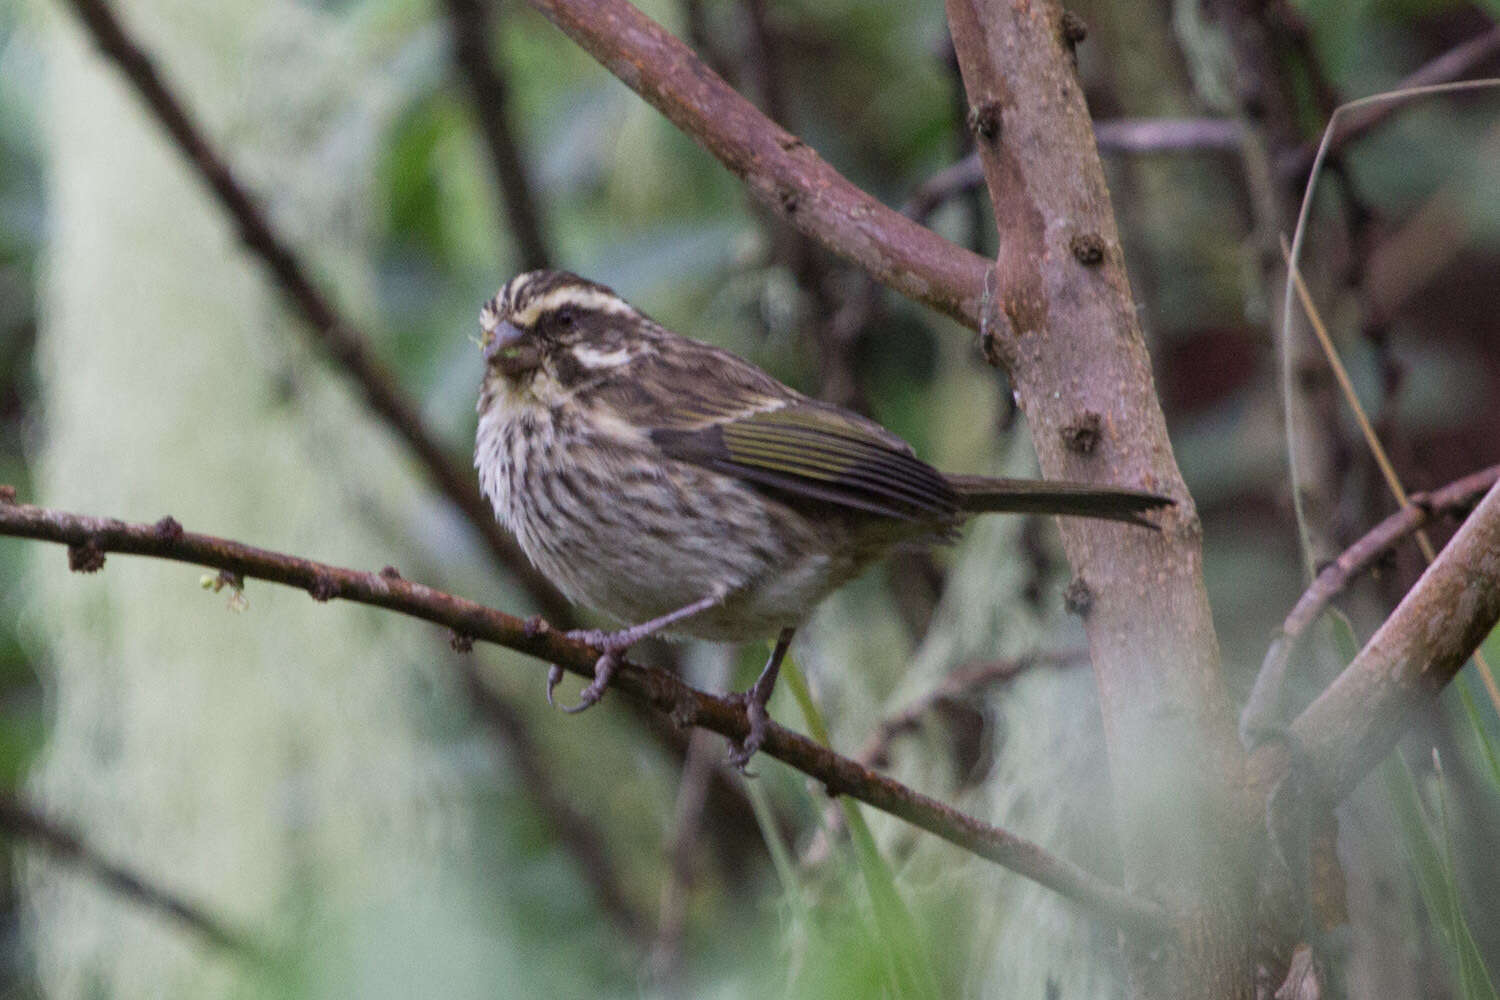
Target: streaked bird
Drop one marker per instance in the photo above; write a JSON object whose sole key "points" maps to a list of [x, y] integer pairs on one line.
{"points": [[681, 490]]}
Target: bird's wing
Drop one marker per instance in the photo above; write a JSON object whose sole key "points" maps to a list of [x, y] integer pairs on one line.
{"points": [[746, 424]]}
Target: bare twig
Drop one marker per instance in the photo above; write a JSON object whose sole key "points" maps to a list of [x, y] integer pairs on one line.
{"points": [[1454, 64], [1414, 654], [26, 824], [1263, 708], [346, 345], [967, 681], [89, 538], [490, 93], [777, 167], [692, 794], [1118, 136], [1167, 135], [574, 829]]}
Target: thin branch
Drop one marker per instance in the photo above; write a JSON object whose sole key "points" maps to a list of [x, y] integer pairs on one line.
{"points": [[1119, 136], [490, 92], [29, 826], [1437, 626], [89, 538], [575, 830], [687, 824], [1167, 135], [966, 682], [779, 169], [344, 343], [1262, 709], [1452, 65]]}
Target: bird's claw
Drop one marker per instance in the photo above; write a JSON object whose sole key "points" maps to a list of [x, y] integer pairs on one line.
{"points": [[604, 670], [760, 721]]}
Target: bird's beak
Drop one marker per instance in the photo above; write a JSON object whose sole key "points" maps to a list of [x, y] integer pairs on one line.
{"points": [[507, 348]]}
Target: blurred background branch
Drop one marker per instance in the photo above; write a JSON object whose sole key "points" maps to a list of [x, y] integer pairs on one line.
{"points": [[470, 21]]}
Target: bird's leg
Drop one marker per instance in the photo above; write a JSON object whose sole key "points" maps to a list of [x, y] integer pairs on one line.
{"points": [[613, 644], [755, 702]]}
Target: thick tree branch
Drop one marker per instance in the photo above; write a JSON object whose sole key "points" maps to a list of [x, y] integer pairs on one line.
{"points": [[345, 344], [779, 169], [30, 827], [1060, 316], [1263, 708], [90, 538], [1432, 633], [487, 86]]}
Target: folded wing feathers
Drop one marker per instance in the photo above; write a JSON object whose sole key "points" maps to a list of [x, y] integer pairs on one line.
{"points": [[813, 455]]}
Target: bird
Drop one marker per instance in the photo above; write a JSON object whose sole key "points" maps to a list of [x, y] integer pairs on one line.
{"points": [[682, 491]]}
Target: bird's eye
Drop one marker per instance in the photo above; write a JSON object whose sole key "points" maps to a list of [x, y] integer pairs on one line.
{"points": [[564, 316]]}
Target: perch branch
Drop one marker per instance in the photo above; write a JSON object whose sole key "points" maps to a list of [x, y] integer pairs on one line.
{"points": [[90, 538]]}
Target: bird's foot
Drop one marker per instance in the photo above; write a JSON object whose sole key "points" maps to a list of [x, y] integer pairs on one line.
{"points": [[740, 752], [604, 668]]}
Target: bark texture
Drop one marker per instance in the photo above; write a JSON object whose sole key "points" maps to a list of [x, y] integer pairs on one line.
{"points": [[1060, 317]]}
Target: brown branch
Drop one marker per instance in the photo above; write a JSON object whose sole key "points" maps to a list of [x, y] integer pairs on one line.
{"points": [[1061, 317], [1432, 633], [779, 169], [25, 824], [345, 344], [575, 830], [1452, 65], [90, 538], [490, 93], [1263, 708]]}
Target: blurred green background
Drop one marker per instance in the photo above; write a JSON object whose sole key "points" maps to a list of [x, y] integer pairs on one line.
{"points": [[327, 781]]}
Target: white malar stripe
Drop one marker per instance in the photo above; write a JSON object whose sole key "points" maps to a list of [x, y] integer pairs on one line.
{"points": [[594, 359], [582, 299]]}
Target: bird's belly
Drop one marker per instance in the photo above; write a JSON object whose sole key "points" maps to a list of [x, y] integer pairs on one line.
{"points": [[636, 536]]}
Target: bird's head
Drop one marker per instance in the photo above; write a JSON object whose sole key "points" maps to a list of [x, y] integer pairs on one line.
{"points": [[549, 332]]}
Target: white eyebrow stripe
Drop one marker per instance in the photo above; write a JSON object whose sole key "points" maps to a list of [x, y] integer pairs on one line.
{"points": [[511, 293], [583, 299], [595, 359]]}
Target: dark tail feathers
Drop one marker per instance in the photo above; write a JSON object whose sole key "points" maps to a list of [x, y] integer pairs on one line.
{"points": [[984, 494]]}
